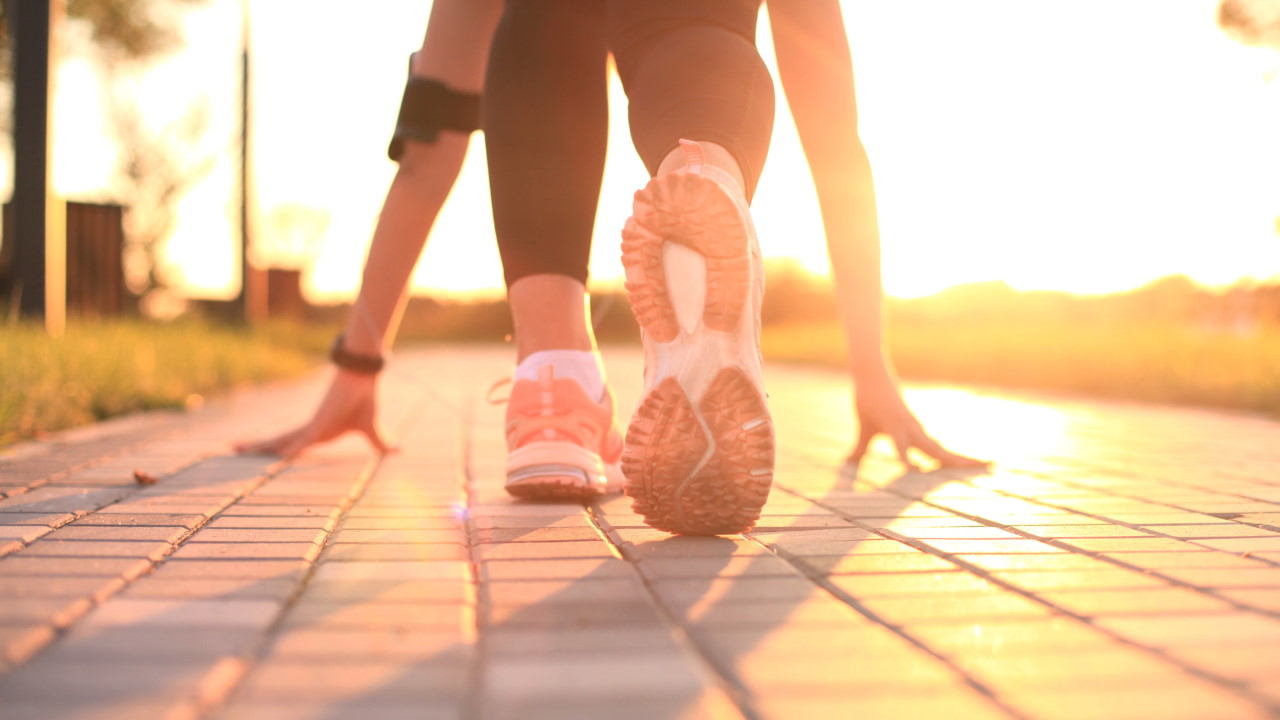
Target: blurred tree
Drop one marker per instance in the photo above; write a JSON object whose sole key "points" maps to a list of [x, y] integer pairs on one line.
{"points": [[295, 231], [1252, 22], [156, 166]]}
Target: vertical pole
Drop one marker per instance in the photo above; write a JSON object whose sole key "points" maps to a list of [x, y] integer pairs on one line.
{"points": [[39, 217], [242, 300]]}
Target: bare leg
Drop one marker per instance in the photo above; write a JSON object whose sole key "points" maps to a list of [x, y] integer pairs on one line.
{"points": [[550, 313]]}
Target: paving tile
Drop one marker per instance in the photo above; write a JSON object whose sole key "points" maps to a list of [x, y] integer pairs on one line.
{"points": [[1033, 562], [160, 585], [535, 569], [532, 592], [405, 512], [1082, 531], [518, 522], [96, 549], [73, 567], [48, 586], [524, 640], [1184, 700], [1109, 579], [140, 519], [1146, 544], [374, 644], [954, 704], [591, 676], [375, 552], [1220, 530], [22, 533], [36, 518], [1242, 544], [685, 546], [366, 682], [61, 500], [917, 610], [247, 551], [1163, 601], [393, 570], [18, 643], [1226, 578], [1185, 630], [804, 536], [240, 510], [76, 531], [1003, 636], [373, 707], [400, 536], [1000, 547], [543, 550], [855, 642], [392, 591], [708, 567], [1240, 662], [258, 535], [820, 611], [184, 613], [377, 615], [1267, 599], [954, 533], [1161, 560], [247, 568], [885, 563], [71, 689], [895, 584], [633, 613], [58, 612], [686, 592], [156, 642], [313, 522]]}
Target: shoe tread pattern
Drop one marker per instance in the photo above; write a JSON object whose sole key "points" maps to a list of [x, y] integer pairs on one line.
{"points": [[695, 212]]}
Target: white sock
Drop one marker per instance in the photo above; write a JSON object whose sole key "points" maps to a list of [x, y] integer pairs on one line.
{"points": [[584, 366]]}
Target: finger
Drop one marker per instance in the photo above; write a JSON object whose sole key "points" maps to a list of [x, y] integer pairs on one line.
{"points": [[370, 432], [270, 446], [299, 444], [865, 436], [935, 450], [902, 442]]}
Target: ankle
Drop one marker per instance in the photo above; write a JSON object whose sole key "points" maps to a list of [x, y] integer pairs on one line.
{"points": [[550, 313], [585, 367]]}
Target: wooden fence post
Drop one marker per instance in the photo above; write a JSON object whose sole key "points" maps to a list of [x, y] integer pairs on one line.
{"points": [[39, 216]]}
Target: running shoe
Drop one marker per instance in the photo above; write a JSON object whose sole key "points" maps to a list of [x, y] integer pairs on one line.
{"points": [[559, 440], [699, 451]]}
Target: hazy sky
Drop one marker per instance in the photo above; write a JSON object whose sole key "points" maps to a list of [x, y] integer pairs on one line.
{"points": [[1088, 146]]}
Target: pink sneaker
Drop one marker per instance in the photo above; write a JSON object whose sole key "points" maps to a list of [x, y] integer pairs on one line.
{"points": [[559, 440], [699, 451]]}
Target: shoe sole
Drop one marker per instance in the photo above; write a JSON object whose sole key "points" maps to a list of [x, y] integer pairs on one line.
{"points": [[699, 450], [555, 471]]}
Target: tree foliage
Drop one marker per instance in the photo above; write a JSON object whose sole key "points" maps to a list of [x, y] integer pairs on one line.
{"points": [[1252, 22], [125, 29]]}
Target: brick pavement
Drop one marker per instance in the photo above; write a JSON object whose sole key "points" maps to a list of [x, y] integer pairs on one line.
{"points": [[1121, 561]]}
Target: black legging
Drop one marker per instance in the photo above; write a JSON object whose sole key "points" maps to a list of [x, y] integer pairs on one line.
{"points": [[690, 70]]}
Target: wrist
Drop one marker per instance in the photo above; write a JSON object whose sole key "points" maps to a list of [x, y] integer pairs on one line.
{"points": [[352, 362]]}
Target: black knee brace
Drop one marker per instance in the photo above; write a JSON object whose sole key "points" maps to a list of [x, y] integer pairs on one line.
{"points": [[429, 107]]}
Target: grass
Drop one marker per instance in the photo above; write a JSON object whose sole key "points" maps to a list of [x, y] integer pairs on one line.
{"points": [[100, 369], [1136, 361]]}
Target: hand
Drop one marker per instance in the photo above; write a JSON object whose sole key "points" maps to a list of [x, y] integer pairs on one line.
{"points": [[881, 409], [349, 405]]}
